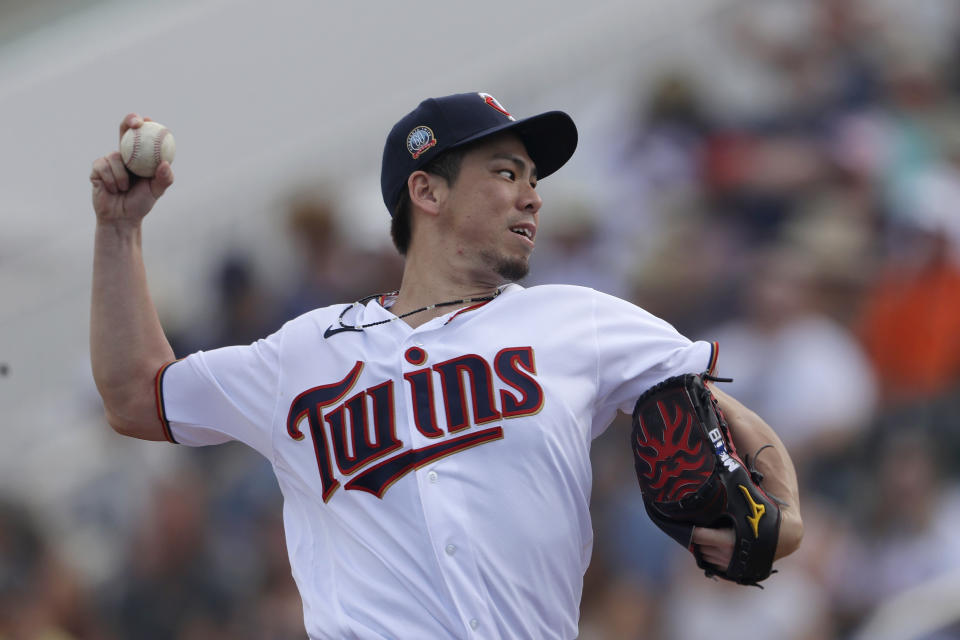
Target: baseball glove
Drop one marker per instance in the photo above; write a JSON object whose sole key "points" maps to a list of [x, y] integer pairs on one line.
{"points": [[690, 475]]}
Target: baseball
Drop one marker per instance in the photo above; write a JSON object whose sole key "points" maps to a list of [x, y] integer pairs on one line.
{"points": [[144, 148]]}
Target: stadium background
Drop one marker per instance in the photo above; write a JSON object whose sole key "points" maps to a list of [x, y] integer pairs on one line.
{"points": [[778, 175]]}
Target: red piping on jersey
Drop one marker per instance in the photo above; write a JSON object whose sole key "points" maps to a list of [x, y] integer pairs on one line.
{"points": [[158, 394], [470, 308]]}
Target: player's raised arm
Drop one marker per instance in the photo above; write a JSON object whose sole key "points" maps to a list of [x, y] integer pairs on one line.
{"points": [[127, 343], [751, 433]]}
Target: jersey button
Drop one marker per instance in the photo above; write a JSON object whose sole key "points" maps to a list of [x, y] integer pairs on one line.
{"points": [[474, 623], [432, 476], [451, 549]]}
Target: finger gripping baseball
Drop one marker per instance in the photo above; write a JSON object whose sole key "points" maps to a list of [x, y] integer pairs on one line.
{"points": [[690, 475]]}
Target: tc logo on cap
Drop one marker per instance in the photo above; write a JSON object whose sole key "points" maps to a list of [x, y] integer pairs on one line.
{"points": [[493, 102], [419, 140]]}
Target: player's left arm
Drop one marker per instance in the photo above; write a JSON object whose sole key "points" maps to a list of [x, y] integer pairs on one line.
{"points": [[750, 432]]}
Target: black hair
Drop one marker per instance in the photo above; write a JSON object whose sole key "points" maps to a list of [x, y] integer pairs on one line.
{"points": [[447, 166]]}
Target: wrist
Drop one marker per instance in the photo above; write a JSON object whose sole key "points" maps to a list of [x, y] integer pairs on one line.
{"points": [[119, 225], [118, 233]]}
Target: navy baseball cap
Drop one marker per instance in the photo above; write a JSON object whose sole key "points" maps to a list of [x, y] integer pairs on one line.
{"points": [[440, 124]]}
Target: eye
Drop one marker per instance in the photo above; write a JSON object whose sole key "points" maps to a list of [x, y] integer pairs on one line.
{"points": [[509, 173]]}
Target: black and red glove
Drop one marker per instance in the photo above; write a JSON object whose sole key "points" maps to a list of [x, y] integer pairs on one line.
{"points": [[690, 475]]}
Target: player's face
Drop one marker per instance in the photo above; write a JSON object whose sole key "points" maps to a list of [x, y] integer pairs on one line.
{"points": [[491, 211]]}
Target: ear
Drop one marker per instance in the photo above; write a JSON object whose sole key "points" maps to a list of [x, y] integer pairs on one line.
{"points": [[424, 191]]}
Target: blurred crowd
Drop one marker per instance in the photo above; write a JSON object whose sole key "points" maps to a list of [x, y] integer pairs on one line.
{"points": [[812, 231]]}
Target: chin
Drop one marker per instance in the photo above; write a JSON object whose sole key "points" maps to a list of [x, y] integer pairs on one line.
{"points": [[508, 267], [513, 270]]}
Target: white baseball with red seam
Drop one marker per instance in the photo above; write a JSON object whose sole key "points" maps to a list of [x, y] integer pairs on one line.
{"points": [[145, 147]]}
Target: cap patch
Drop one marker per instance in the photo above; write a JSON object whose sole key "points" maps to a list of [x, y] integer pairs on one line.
{"points": [[419, 140], [491, 101]]}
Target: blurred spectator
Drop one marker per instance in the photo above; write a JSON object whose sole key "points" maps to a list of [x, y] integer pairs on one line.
{"points": [[835, 229], [907, 532], [278, 612], [626, 610], [799, 369], [171, 590], [931, 197], [825, 58], [331, 265], [758, 179], [653, 161], [40, 597], [244, 310], [826, 55], [663, 147], [317, 245], [684, 274], [790, 607], [910, 319], [900, 140]]}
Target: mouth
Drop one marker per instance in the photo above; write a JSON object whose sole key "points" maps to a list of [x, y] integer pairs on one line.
{"points": [[528, 231]]}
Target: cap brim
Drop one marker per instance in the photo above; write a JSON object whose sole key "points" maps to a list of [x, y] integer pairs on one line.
{"points": [[550, 138]]}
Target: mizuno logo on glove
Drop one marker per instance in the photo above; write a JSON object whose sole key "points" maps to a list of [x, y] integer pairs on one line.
{"points": [[758, 511]]}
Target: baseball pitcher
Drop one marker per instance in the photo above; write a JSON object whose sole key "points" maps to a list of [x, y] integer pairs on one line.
{"points": [[432, 444]]}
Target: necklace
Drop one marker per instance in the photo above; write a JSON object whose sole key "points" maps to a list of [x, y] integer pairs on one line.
{"points": [[363, 301]]}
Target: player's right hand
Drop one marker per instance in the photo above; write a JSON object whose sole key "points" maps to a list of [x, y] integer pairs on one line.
{"points": [[118, 195], [716, 545]]}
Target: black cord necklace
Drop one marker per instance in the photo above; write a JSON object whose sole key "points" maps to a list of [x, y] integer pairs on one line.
{"points": [[363, 301]]}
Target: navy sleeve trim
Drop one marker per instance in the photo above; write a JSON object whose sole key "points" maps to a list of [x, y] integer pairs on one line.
{"points": [[714, 354]]}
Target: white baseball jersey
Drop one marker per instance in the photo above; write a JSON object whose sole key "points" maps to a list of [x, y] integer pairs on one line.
{"points": [[436, 480]]}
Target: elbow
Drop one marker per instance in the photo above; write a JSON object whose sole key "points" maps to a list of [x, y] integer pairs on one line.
{"points": [[791, 532], [130, 405], [118, 423], [134, 423]]}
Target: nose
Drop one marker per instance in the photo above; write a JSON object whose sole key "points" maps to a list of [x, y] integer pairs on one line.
{"points": [[530, 200]]}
